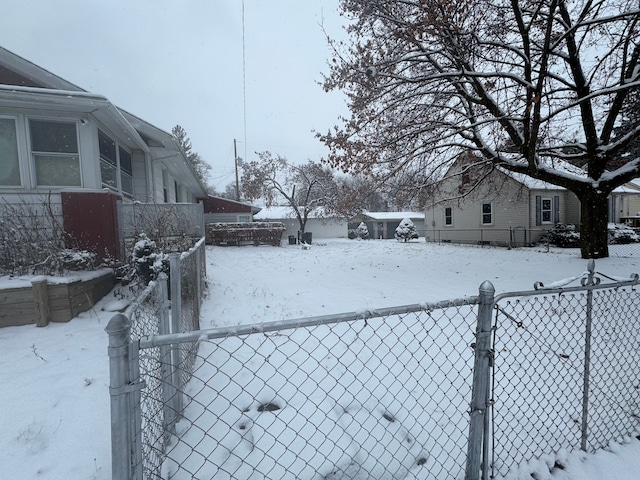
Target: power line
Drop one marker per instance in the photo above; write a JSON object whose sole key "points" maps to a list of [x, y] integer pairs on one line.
{"points": [[244, 84]]}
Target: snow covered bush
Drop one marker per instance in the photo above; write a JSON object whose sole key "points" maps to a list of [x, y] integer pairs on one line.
{"points": [[362, 231], [566, 236], [563, 235], [148, 261], [406, 231], [620, 233]]}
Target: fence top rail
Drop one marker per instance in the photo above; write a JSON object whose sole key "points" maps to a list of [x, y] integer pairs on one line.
{"points": [[588, 281], [144, 296], [221, 332], [188, 253]]}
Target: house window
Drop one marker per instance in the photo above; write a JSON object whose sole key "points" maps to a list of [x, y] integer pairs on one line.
{"points": [[448, 216], [487, 216], [54, 146], [108, 161], [126, 172], [546, 210], [165, 189], [244, 218], [115, 162], [9, 163], [176, 187]]}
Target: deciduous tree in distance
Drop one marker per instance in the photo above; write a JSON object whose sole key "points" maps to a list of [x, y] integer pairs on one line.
{"points": [[529, 85]]}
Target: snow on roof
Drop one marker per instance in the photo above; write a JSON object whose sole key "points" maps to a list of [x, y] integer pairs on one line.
{"points": [[395, 215], [530, 182], [279, 212], [630, 187]]}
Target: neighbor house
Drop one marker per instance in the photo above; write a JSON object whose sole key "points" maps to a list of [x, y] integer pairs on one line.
{"points": [[624, 204], [82, 153], [224, 210], [382, 225], [319, 226], [480, 203]]}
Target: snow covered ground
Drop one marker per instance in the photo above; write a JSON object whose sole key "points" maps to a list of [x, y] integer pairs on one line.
{"points": [[54, 407]]}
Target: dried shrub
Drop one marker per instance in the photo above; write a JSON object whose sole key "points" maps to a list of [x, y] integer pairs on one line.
{"points": [[33, 241]]}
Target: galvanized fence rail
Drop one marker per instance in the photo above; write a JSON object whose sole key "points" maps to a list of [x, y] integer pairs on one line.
{"points": [[464, 388]]}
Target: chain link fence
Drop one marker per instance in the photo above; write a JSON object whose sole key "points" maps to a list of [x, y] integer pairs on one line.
{"points": [[517, 237], [566, 372], [147, 390], [456, 389], [381, 394]]}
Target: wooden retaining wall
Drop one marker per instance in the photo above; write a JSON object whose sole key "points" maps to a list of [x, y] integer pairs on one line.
{"points": [[46, 302]]}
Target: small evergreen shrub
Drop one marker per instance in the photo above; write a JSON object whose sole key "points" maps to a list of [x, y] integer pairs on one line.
{"points": [[563, 235], [362, 231], [620, 233], [148, 260], [406, 231], [566, 236]]}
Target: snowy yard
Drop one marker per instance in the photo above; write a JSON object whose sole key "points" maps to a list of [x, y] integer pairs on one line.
{"points": [[55, 406]]}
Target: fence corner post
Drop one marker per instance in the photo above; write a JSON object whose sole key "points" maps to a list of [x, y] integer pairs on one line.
{"points": [[119, 329], [480, 387]]}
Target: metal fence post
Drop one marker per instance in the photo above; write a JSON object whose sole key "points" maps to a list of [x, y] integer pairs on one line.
{"points": [[591, 267], [199, 254], [121, 415], [166, 365], [176, 320], [481, 378]]}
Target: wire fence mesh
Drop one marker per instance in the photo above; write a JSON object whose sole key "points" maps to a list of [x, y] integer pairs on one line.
{"points": [[338, 399], [387, 393], [162, 372], [192, 268], [565, 373], [145, 315]]}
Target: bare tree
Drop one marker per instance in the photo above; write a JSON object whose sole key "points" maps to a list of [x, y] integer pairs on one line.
{"points": [[530, 85], [307, 188]]}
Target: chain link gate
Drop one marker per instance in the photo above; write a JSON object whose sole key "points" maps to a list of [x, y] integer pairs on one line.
{"points": [[566, 370]]}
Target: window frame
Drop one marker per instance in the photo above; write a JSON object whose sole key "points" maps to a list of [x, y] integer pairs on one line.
{"points": [[483, 213], [16, 131], [122, 174], [547, 210], [34, 154], [448, 218], [165, 187]]}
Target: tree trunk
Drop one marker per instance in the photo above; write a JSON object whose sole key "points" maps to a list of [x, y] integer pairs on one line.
{"points": [[593, 229]]}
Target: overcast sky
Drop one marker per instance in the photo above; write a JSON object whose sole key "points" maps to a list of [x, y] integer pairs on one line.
{"points": [[181, 62]]}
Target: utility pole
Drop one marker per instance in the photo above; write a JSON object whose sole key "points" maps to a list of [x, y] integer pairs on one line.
{"points": [[235, 157]]}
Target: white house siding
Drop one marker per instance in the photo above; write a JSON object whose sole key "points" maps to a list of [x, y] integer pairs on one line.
{"points": [[509, 205], [318, 228], [232, 217], [572, 210], [162, 174], [141, 184]]}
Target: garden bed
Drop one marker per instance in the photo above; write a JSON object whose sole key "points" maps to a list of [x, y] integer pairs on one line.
{"points": [[40, 300]]}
